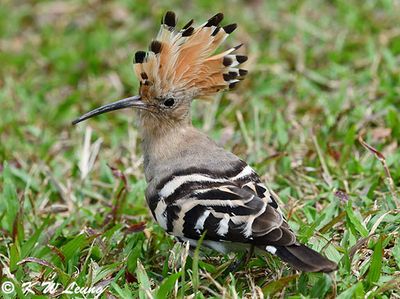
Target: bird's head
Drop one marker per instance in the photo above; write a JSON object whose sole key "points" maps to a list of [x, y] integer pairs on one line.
{"points": [[181, 65]]}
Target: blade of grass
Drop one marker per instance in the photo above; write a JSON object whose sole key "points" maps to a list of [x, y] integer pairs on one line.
{"points": [[144, 282], [374, 272], [167, 285], [195, 266]]}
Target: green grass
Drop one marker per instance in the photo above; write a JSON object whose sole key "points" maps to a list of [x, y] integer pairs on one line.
{"points": [[321, 74]]}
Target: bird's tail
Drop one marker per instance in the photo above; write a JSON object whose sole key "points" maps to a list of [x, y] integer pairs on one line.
{"points": [[305, 259]]}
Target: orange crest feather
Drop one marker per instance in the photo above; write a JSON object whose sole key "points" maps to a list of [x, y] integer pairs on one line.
{"points": [[182, 61]]}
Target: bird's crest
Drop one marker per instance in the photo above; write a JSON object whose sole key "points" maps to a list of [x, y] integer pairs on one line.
{"points": [[184, 61]]}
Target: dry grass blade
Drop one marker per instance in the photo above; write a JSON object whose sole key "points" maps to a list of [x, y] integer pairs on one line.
{"points": [[37, 261], [382, 159], [89, 153], [360, 243], [326, 174]]}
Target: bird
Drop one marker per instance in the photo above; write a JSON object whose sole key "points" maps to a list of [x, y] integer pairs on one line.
{"points": [[195, 188]]}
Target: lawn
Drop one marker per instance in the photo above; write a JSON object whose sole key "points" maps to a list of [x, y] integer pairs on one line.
{"points": [[317, 117]]}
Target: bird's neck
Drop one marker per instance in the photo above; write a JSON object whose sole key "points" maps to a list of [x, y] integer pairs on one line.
{"points": [[162, 140]]}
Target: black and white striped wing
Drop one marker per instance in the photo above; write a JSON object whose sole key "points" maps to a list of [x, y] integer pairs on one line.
{"points": [[230, 213], [233, 207]]}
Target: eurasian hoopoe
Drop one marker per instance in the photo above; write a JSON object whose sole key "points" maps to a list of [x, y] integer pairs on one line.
{"points": [[194, 186]]}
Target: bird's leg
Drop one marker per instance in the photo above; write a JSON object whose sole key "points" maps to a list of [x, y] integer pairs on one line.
{"points": [[239, 263], [249, 254]]}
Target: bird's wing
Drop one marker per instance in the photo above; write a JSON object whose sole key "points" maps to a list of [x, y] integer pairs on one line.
{"points": [[231, 213], [227, 207]]}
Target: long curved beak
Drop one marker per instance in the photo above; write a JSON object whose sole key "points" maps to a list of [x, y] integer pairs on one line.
{"points": [[134, 101]]}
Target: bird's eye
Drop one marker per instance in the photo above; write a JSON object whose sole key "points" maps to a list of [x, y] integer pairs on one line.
{"points": [[169, 102]]}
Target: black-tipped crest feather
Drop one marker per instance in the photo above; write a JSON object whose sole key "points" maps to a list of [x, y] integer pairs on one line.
{"points": [[241, 58], [243, 72], [227, 77], [238, 46], [188, 24], [215, 32], [215, 20], [140, 56], [155, 46], [227, 61], [144, 76], [169, 19], [188, 31], [232, 85], [229, 28]]}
